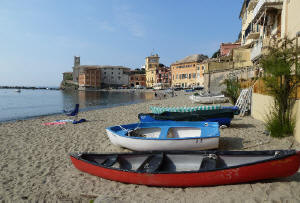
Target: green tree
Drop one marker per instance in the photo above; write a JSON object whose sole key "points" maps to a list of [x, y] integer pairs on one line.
{"points": [[281, 77], [232, 90]]}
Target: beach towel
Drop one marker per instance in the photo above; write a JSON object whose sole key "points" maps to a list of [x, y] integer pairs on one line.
{"points": [[55, 123]]}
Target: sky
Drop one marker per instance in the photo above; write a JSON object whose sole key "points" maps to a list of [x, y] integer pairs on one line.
{"points": [[39, 38]]}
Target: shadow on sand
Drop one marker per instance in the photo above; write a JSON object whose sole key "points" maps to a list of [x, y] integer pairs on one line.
{"points": [[231, 143], [242, 125]]}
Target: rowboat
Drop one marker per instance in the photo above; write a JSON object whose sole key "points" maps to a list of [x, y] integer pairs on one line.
{"points": [[166, 136], [189, 168], [209, 99], [222, 116], [157, 109]]}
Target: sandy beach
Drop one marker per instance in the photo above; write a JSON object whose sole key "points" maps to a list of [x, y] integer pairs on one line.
{"points": [[35, 165]]}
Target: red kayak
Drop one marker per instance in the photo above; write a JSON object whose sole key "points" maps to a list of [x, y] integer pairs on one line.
{"points": [[189, 168]]}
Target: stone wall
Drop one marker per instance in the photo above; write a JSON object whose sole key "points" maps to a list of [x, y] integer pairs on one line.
{"points": [[213, 80]]}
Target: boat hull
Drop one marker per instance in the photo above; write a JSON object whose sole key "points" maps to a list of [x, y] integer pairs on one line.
{"points": [[266, 170], [166, 144], [208, 100]]}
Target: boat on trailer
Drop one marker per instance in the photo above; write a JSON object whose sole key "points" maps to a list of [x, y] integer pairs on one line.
{"points": [[189, 168], [166, 136], [222, 116]]}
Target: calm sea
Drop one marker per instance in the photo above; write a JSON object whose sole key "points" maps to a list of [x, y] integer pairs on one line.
{"points": [[32, 103]]}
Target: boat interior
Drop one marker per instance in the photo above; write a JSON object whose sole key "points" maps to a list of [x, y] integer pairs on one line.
{"points": [[170, 163], [173, 132]]}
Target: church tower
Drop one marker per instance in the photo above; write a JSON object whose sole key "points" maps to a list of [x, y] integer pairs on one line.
{"points": [[151, 65]]}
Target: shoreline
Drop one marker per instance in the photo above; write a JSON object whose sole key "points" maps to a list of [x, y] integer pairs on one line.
{"points": [[35, 163]]}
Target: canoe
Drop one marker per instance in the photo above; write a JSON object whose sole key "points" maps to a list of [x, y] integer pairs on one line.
{"points": [[157, 109], [189, 168], [222, 116], [209, 99], [166, 136]]}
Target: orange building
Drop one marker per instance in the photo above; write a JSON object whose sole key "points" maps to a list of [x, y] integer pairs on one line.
{"points": [[89, 77], [188, 71], [137, 79]]}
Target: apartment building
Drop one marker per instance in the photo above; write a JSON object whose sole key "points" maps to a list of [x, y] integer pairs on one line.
{"points": [[89, 77], [187, 72], [137, 79]]}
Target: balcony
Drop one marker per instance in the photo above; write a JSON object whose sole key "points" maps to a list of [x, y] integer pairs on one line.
{"points": [[262, 3]]}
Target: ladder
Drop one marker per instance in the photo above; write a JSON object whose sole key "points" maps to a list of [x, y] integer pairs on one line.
{"points": [[244, 101]]}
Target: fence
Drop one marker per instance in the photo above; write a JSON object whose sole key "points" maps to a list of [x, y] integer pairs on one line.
{"points": [[260, 88]]}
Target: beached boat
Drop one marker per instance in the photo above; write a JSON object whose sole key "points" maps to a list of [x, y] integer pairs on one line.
{"points": [[166, 136], [193, 168], [157, 109], [222, 116], [209, 99]]}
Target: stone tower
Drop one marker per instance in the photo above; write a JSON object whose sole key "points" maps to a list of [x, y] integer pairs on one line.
{"points": [[151, 65], [76, 61]]}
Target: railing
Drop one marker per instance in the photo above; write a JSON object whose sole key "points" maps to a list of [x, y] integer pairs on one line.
{"points": [[260, 4], [256, 50]]}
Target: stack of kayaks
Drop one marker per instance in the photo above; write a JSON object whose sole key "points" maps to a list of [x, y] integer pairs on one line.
{"points": [[158, 110], [222, 116]]}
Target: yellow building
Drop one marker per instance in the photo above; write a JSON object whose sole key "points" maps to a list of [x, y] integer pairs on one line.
{"points": [[188, 72], [151, 65]]}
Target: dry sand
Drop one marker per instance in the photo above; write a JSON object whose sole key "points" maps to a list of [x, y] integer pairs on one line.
{"points": [[35, 166]]}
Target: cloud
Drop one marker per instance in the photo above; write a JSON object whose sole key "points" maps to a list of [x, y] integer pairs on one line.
{"points": [[130, 20]]}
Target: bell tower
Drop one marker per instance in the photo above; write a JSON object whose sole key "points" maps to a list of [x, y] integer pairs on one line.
{"points": [[76, 61], [151, 65]]}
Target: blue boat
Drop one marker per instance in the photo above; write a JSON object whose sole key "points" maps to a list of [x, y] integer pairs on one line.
{"points": [[222, 116], [166, 136]]}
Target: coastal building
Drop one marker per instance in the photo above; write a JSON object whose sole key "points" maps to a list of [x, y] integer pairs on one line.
{"points": [[89, 78], [137, 79], [187, 72], [225, 48], [163, 77], [151, 65], [272, 21], [99, 76]]}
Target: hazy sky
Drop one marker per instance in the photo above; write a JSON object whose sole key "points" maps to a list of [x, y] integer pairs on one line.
{"points": [[38, 38]]}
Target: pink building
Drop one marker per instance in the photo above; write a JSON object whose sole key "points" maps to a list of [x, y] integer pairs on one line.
{"points": [[225, 48]]}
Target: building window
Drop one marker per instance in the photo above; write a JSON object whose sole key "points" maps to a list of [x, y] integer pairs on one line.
{"points": [[112, 77], [104, 73], [176, 76], [190, 75], [203, 67], [112, 73]]}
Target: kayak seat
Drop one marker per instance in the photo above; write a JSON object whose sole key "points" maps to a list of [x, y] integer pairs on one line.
{"points": [[110, 161], [151, 164], [212, 163]]}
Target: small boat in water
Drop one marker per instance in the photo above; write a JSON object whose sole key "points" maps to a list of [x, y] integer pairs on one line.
{"points": [[166, 136], [222, 116], [192, 168], [18, 90]]}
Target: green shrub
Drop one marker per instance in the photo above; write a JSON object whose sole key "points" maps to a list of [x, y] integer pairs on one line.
{"points": [[232, 90]]}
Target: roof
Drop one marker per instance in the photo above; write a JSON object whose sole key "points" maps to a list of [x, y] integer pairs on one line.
{"points": [[102, 66], [192, 58]]}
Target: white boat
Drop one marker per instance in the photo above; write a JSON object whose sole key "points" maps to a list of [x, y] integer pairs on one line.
{"points": [[209, 99], [18, 90], [168, 135]]}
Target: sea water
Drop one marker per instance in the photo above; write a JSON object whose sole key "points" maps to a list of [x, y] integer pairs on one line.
{"points": [[31, 103]]}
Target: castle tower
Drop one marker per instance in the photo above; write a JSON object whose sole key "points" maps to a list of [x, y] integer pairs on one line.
{"points": [[76, 61], [151, 65]]}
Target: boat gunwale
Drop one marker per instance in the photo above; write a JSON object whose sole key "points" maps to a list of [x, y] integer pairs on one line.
{"points": [[285, 154], [124, 134]]}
